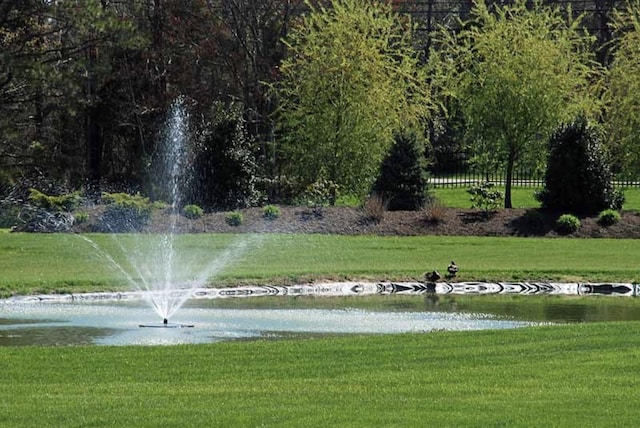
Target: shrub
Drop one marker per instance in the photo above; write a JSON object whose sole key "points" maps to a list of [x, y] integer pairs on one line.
{"points": [[485, 197], [234, 218], [404, 178], [578, 178], [9, 214], [319, 195], [567, 223], [159, 205], [192, 211], [608, 217], [435, 212], [271, 212], [374, 208], [224, 167], [534, 221], [67, 202], [124, 212], [81, 217]]}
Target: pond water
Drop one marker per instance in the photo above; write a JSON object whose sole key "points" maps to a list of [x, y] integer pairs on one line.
{"points": [[251, 313], [118, 323]]}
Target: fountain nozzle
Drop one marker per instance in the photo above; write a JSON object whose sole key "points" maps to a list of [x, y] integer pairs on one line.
{"points": [[165, 321]]}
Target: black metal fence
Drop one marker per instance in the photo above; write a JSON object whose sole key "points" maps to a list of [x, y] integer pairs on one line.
{"points": [[454, 170]]}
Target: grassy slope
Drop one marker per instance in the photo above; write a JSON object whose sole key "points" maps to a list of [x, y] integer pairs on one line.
{"points": [[570, 376], [60, 262]]}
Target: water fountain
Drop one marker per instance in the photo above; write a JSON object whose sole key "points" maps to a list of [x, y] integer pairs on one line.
{"points": [[162, 272], [153, 264]]}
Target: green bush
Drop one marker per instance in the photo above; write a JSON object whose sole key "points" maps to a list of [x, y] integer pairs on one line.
{"points": [[567, 223], [67, 202], [234, 218], [578, 178], [224, 167], [124, 212], [192, 211], [485, 197], [534, 221], [81, 217], [136, 200], [159, 205], [9, 214], [404, 178], [320, 194], [271, 212], [608, 217]]}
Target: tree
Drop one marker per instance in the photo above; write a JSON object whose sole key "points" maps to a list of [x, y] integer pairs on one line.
{"points": [[578, 178], [350, 80], [54, 65], [403, 176], [223, 169], [517, 73], [623, 104]]}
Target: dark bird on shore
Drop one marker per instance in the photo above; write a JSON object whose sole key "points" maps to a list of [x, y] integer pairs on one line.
{"points": [[452, 269], [432, 276]]}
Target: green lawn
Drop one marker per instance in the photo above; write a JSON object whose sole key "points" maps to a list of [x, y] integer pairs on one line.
{"points": [[521, 197], [66, 263], [554, 375], [569, 376]]}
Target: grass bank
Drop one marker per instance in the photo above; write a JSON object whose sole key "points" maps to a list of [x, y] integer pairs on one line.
{"points": [[569, 376], [521, 197], [67, 263]]}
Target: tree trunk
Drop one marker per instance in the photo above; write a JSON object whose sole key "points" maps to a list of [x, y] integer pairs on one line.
{"points": [[93, 137], [508, 179]]}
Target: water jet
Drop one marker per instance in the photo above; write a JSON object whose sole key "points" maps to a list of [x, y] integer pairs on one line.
{"points": [[156, 265]]}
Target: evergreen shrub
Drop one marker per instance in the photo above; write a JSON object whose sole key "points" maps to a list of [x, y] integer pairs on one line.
{"points": [[67, 202], [81, 217], [608, 217], [124, 212], [567, 224], [224, 165], [271, 212], [234, 218], [404, 178], [192, 211], [578, 178]]}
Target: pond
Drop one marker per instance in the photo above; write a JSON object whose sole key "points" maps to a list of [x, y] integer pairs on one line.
{"points": [[252, 313]]}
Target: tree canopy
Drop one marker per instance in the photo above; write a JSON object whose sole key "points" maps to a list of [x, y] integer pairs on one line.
{"points": [[517, 73], [623, 108], [85, 85], [350, 79]]}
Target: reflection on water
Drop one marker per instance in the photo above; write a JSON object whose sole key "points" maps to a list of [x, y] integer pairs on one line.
{"points": [[249, 313], [52, 336], [543, 308], [117, 323]]}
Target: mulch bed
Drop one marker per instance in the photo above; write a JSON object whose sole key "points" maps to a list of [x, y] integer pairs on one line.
{"points": [[443, 221]]}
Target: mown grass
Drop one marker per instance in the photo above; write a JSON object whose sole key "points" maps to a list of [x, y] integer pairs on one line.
{"points": [[521, 197], [569, 376], [66, 263], [561, 375], [457, 197]]}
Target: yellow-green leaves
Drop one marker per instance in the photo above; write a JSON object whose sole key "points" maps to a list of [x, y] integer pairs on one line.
{"points": [[350, 80]]}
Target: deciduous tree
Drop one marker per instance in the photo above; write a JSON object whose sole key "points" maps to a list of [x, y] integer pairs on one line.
{"points": [[623, 107], [351, 78], [518, 72]]}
